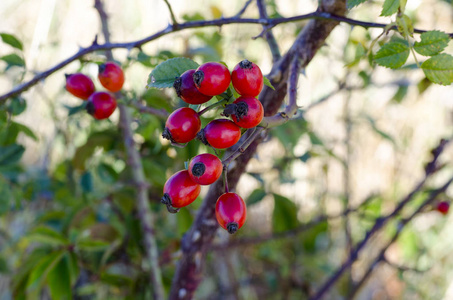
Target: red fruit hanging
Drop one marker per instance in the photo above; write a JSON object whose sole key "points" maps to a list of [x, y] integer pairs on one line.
{"points": [[205, 168], [79, 85], [179, 191], [246, 112], [182, 125], [443, 207], [247, 79], [230, 211], [187, 91], [220, 134], [101, 105], [111, 76], [212, 78]]}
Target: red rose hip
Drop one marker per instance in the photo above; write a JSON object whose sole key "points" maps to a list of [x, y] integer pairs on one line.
{"points": [[220, 134], [187, 91], [246, 112], [79, 85], [247, 79], [182, 125], [231, 212], [179, 191], [212, 78], [205, 168], [111, 76], [101, 105], [443, 207]]}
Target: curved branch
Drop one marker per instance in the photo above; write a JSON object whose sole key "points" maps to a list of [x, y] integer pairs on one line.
{"points": [[319, 15]]}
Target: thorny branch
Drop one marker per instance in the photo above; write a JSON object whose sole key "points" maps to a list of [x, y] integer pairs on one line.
{"points": [[318, 15]]}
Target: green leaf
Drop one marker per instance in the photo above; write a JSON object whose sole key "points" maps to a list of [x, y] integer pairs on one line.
{"points": [[72, 110], [400, 94], [25, 130], [46, 235], [11, 154], [432, 43], [17, 106], [256, 196], [165, 73], [38, 274], [116, 279], [184, 219], [107, 174], [405, 26], [11, 40], [86, 181], [284, 216], [439, 69], [267, 82], [103, 139], [92, 245], [392, 55], [59, 280], [13, 60], [390, 7], [423, 85], [353, 3]]}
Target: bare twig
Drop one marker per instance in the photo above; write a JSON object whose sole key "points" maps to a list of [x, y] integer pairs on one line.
{"points": [[138, 176], [381, 257], [379, 224], [241, 149], [172, 15], [319, 15], [161, 113], [244, 8], [270, 38], [247, 241], [290, 109]]}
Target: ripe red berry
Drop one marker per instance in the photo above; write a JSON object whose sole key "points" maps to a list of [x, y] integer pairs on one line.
{"points": [[230, 211], [220, 134], [180, 191], [246, 112], [79, 85], [182, 125], [101, 105], [247, 79], [187, 91], [443, 207], [205, 168], [111, 76], [212, 78]]}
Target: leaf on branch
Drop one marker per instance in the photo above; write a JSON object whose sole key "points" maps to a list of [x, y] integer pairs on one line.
{"points": [[353, 3], [439, 69], [284, 216], [405, 26], [256, 196], [267, 82], [390, 7], [392, 55], [165, 73], [11, 40], [13, 60], [432, 43]]}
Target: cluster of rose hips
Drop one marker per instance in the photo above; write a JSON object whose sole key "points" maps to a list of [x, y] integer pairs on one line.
{"points": [[183, 125], [100, 105]]}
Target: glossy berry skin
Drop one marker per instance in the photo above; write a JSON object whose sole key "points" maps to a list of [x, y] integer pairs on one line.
{"points": [[221, 134], [180, 190], [231, 212], [79, 85], [212, 78], [187, 91], [247, 79], [248, 113], [205, 168], [111, 76], [443, 207], [101, 105], [182, 125]]}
